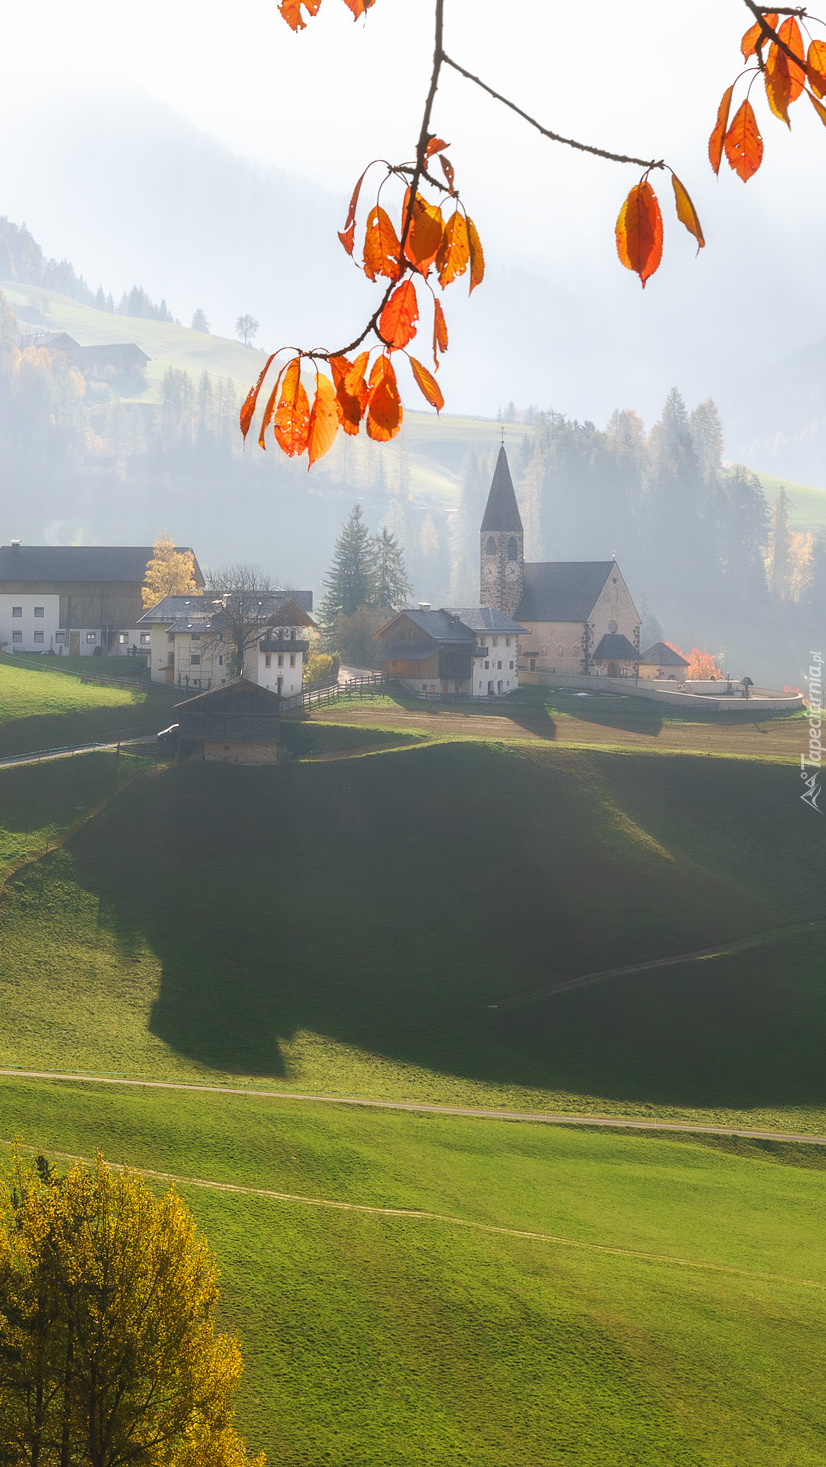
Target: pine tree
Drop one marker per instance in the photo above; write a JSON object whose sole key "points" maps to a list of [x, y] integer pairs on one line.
{"points": [[393, 588], [779, 548], [199, 321], [352, 578]]}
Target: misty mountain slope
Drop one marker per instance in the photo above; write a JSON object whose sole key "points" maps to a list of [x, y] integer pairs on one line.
{"points": [[780, 420]]}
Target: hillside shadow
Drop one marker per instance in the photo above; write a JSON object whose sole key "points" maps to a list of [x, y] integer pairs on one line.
{"points": [[632, 715], [386, 906]]}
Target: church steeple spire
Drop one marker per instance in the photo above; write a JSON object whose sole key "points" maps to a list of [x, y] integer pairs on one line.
{"points": [[501, 577]]}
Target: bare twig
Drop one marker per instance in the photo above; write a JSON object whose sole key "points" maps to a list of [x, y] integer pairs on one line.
{"points": [[769, 34]]}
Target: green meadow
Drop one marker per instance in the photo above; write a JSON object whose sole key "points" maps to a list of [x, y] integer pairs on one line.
{"points": [[578, 1296], [41, 708]]}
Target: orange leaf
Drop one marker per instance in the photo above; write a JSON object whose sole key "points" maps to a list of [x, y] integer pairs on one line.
{"points": [[347, 235], [350, 405], [397, 322], [382, 252], [292, 416], [323, 425], [743, 143], [748, 45], [778, 80], [686, 212], [435, 145], [454, 251], [424, 234], [439, 331], [269, 410], [715, 142], [248, 407], [358, 7], [354, 381], [447, 169], [639, 231], [384, 408], [816, 68], [790, 33], [428, 385], [477, 255], [291, 12], [819, 109]]}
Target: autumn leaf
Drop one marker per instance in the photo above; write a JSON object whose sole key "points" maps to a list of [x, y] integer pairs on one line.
{"points": [[439, 331], [359, 7], [292, 416], [748, 45], [715, 142], [447, 169], [477, 255], [428, 385], [777, 78], [354, 381], [347, 235], [686, 212], [350, 406], [435, 145], [291, 12], [384, 408], [639, 231], [816, 67], [251, 398], [790, 33], [424, 234], [397, 322], [743, 143], [454, 251], [382, 251], [819, 108], [267, 415], [323, 425]]}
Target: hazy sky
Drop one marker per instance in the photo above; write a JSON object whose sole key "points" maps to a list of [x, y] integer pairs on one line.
{"points": [[640, 77]]}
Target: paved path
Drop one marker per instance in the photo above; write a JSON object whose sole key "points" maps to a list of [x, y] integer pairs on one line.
{"points": [[13, 761], [545, 1118]]}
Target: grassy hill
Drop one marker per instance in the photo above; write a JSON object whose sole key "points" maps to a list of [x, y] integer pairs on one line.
{"points": [[41, 708], [455, 1291], [345, 926]]}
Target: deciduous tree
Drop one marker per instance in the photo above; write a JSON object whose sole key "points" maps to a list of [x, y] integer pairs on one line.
{"points": [[246, 327], [170, 572]]}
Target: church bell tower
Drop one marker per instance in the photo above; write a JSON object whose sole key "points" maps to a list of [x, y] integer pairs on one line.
{"points": [[501, 578]]}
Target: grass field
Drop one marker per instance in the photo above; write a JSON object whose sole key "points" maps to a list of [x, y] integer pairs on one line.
{"points": [[670, 1314], [346, 927], [41, 708]]}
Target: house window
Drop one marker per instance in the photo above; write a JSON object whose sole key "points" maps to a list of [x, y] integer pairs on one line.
{"points": [[292, 659], [122, 639], [221, 660], [499, 666], [487, 667], [17, 636], [146, 638], [195, 661], [268, 659], [38, 636], [281, 659], [39, 611], [196, 636], [91, 636], [491, 546], [496, 641], [17, 611], [612, 627], [560, 650], [60, 636], [513, 549], [574, 649], [507, 641], [510, 665]]}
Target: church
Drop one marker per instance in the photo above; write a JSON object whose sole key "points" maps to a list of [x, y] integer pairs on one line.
{"points": [[577, 615]]}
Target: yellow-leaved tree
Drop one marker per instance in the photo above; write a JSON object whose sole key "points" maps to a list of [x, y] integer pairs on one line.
{"points": [[109, 1353], [170, 572]]}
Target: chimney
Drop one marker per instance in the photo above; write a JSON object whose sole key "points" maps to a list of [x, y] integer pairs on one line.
{"points": [[423, 605], [15, 544]]}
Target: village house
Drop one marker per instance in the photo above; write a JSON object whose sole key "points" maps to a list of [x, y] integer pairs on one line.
{"points": [[190, 644], [466, 651], [237, 723], [578, 616], [83, 600], [662, 661]]}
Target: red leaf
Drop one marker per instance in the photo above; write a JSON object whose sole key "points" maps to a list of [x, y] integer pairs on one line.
{"points": [[715, 142], [439, 331], [686, 212], [382, 251], [790, 33], [816, 67], [350, 405], [639, 231], [743, 143], [291, 12], [323, 425], [358, 7], [292, 416], [269, 410], [454, 251], [424, 234], [819, 108], [397, 322], [748, 45], [354, 381], [248, 407], [347, 235], [778, 82], [477, 255], [428, 385], [384, 408], [447, 169], [435, 145]]}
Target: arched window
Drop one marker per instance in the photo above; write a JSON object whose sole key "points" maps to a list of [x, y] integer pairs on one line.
{"points": [[513, 549], [491, 546]]}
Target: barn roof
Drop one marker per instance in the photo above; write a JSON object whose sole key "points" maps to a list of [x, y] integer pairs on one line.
{"points": [[79, 563], [241, 696], [562, 590], [502, 510]]}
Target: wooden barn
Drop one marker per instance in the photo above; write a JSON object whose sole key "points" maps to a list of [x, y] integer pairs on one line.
{"points": [[237, 723]]}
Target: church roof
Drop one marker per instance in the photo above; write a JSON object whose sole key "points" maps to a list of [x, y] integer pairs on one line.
{"points": [[661, 655], [562, 590], [614, 647], [502, 510]]}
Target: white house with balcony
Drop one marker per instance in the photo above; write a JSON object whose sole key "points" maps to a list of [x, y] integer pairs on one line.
{"points": [[191, 644]]}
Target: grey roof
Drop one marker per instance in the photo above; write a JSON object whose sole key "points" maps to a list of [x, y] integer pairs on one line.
{"points": [[77, 563], [486, 619], [441, 626], [176, 612], [661, 655], [562, 590], [502, 510], [240, 696], [616, 648], [177, 608]]}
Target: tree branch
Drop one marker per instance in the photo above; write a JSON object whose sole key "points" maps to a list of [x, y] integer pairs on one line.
{"points": [[771, 35]]}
